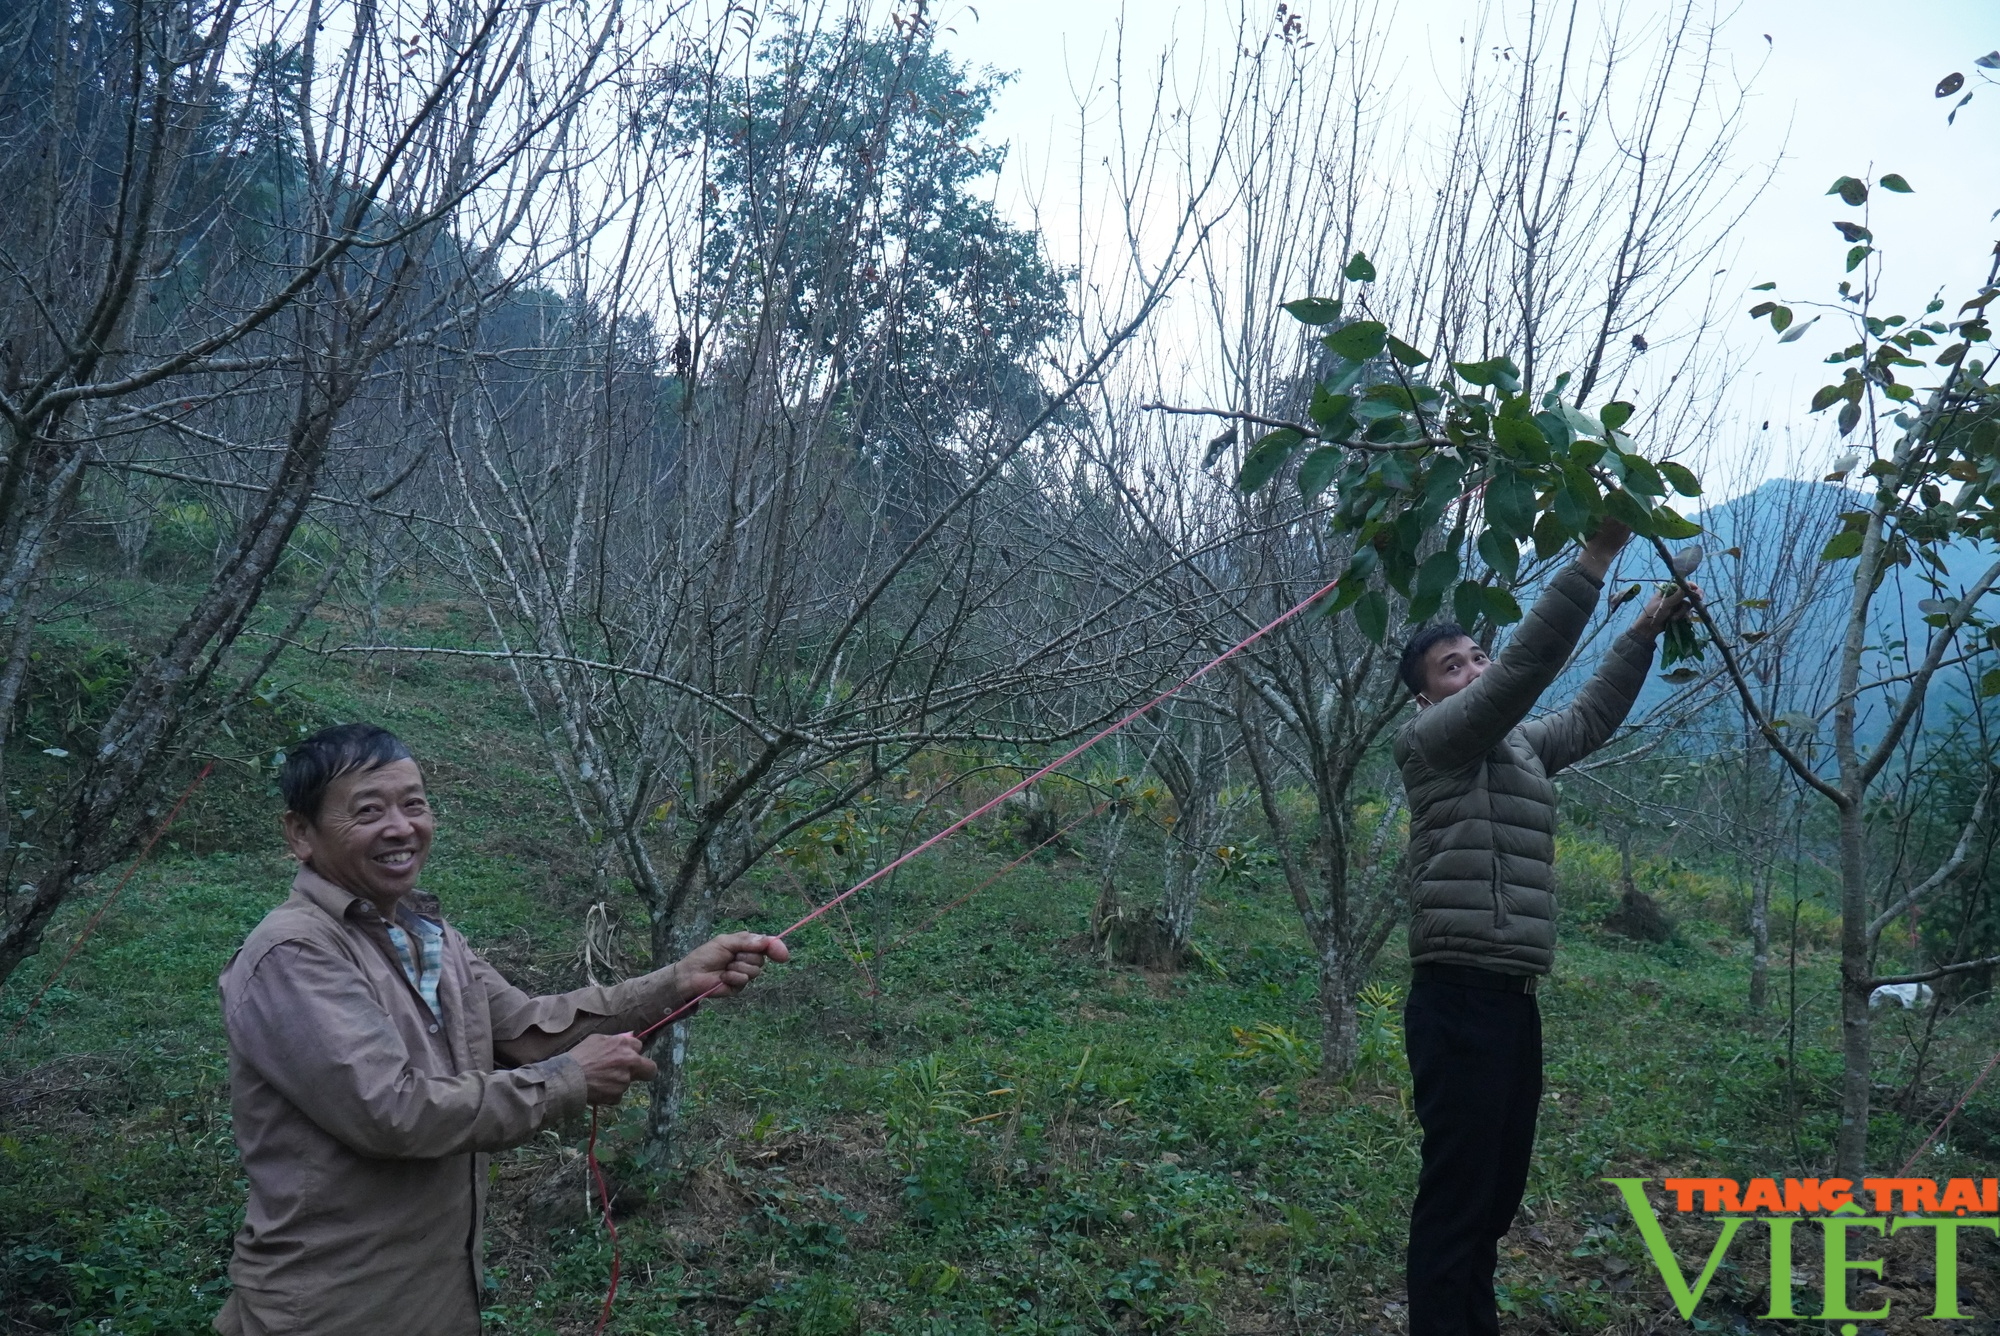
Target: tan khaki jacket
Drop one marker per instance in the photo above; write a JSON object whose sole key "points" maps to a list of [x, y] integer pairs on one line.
{"points": [[364, 1121], [1482, 807]]}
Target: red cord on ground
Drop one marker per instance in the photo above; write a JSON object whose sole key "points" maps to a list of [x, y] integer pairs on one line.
{"points": [[1938, 1131], [604, 1195]]}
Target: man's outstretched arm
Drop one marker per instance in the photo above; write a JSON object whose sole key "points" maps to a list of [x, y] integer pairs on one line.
{"points": [[528, 1029], [1567, 736], [1460, 729]]}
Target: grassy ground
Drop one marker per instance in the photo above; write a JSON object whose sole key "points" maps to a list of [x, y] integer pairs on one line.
{"points": [[988, 1130]]}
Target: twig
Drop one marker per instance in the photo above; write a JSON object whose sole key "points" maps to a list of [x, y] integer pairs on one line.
{"points": [[1765, 728], [764, 732], [1310, 433], [256, 488], [1939, 973], [1891, 680], [1945, 870]]}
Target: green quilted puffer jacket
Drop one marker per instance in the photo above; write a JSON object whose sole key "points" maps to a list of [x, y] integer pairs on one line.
{"points": [[1482, 807]]}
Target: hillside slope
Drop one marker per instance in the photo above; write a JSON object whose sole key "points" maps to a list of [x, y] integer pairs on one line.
{"points": [[986, 1130]]}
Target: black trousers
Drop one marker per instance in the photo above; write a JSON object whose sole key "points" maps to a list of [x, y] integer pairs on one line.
{"points": [[1476, 1058]]}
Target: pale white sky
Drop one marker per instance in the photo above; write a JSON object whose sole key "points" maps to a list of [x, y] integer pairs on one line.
{"points": [[1841, 87]]}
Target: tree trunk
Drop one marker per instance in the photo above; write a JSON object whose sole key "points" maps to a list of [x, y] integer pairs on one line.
{"points": [[1339, 1029], [1153, 939], [1851, 1150], [1193, 761], [376, 575], [1181, 892], [1760, 939], [1761, 803], [663, 1115], [133, 527], [671, 941], [28, 910]]}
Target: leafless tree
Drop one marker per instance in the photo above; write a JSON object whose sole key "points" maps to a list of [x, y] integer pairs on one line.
{"points": [[1877, 708], [224, 222], [1492, 241], [746, 572]]}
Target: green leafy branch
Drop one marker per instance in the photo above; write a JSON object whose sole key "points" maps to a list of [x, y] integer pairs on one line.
{"points": [[1410, 451], [1933, 475]]}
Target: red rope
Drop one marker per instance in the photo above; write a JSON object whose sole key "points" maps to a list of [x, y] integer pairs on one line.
{"points": [[604, 1195], [98, 917], [931, 922], [1938, 1131], [689, 1007], [854, 951]]}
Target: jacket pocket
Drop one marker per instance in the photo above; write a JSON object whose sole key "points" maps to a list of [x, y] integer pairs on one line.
{"points": [[1500, 919]]}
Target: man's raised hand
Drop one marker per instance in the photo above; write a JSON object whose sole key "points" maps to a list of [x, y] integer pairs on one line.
{"points": [[1669, 605], [730, 961], [1603, 545], [610, 1063]]}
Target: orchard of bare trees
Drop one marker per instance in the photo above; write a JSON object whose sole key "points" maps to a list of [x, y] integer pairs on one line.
{"points": [[682, 371]]}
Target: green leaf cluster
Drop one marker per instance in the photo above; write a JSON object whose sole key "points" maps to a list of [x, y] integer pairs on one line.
{"points": [[1442, 474], [1935, 472]]}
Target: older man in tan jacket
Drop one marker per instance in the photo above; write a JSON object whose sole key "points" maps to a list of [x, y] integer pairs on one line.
{"points": [[375, 1061]]}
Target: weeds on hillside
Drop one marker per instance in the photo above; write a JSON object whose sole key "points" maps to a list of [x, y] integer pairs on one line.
{"points": [[1007, 1137]]}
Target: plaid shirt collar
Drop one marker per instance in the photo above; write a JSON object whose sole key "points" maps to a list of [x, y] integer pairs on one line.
{"points": [[423, 961], [429, 949]]}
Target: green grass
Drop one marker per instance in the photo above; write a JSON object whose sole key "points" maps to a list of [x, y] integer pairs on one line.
{"points": [[989, 1131]]}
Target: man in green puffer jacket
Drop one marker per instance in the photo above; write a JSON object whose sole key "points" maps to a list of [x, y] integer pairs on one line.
{"points": [[1483, 925]]}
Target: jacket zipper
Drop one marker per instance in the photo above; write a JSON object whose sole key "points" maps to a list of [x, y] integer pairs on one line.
{"points": [[1500, 919]]}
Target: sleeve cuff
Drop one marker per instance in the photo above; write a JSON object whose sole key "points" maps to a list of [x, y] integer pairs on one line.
{"points": [[562, 1079], [650, 996], [1595, 585], [1635, 649]]}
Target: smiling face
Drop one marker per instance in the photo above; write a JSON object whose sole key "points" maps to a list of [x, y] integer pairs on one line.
{"points": [[373, 833], [1450, 666]]}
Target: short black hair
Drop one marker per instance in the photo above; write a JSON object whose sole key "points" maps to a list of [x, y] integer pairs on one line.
{"points": [[1411, 667], [327, 755]]}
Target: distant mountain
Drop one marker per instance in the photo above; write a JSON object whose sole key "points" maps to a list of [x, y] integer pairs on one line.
{"points": [[1765, 545]]}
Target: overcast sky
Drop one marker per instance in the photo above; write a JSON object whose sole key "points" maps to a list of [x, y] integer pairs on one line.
{"points": [[1840, 87]]}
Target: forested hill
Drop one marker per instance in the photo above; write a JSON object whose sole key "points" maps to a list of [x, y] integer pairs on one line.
{"points": [[1795, 606]]}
